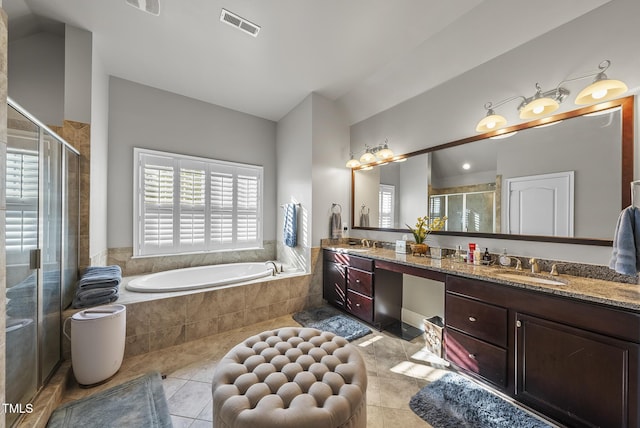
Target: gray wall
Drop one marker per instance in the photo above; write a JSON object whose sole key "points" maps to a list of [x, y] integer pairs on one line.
{"points": [[78, 47], [329, 151], [294, 180], [451, 111], [99, 155], [36, 76], [141, 116]]}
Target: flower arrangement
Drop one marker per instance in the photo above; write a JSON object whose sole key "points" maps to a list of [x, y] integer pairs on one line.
{"points": [[425, 226]]}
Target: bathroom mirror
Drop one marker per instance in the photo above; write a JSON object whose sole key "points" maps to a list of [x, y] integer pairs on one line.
{"points": [[562, 178]]}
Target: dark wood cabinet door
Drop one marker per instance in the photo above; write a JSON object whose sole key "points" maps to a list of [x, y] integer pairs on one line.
{"points": [[334, 288], [578, 377]]}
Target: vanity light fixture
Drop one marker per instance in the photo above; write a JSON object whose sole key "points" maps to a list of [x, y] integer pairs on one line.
{"points": [[544, 103], [602, 87], [381, 153], [503, 136]]}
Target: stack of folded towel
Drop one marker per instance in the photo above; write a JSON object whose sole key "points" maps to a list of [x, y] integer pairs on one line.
{"points": [[99, 285]]}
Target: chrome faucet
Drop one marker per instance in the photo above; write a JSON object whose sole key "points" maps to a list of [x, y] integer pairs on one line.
{"points": [[275, 267], [374, 243], [534, 265], [365, 243], [554, 270]]}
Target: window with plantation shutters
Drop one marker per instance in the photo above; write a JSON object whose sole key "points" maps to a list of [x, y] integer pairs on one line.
{"points": [[21, 200], [187, 204], [386, 201]]}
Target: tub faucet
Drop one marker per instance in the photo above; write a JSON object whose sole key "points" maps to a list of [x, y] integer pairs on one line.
{"points": [[275, 267], [534, 265], [518, 264]]}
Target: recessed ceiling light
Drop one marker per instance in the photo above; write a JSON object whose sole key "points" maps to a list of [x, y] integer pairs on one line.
{"points": [[466, 166], [239, 23]]}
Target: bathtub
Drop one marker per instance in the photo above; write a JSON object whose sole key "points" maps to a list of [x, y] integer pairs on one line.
{"points": [[199, 277]]}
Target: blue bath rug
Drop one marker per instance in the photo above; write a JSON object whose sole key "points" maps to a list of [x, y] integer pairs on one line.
{"points": [[326, 318], [137, 403], [455, 402]]}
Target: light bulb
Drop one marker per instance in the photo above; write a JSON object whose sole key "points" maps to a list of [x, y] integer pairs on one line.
{"points": [[538, 109], [599, 94], [466, 166], [490, 125]]}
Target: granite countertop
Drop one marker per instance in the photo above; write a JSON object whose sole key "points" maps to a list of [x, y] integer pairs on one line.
{"points": [[617, 294]]}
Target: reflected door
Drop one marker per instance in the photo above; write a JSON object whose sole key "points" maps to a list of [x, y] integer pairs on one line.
{"points": [[540, 204]]}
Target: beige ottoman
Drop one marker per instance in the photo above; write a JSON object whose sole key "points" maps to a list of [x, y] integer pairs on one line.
{"points": [[291, 378]]}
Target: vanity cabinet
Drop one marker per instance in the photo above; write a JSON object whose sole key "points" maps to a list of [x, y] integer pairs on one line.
{"points": [[575, 361], [352, 284]]}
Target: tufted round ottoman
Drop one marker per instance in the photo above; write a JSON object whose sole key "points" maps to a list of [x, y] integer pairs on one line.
{"points": [[291, 378]]}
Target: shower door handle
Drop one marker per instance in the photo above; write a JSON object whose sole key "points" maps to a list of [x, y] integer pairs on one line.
{"points": [[35, 259]]}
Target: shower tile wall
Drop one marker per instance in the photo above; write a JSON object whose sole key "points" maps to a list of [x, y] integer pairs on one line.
{"points": [[78, 135], [3, 153]]}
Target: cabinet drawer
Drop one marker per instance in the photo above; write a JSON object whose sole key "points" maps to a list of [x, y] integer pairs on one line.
{"points": [[477, 357], [481, 320], [360, 281], [360, 306], [361, 263]]}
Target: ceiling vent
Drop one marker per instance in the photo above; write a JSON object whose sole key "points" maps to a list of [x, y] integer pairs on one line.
{"points": [[149, 6], [239, 22]]}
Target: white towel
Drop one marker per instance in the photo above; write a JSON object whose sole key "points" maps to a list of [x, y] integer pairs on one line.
{"points": [[336, 226]]}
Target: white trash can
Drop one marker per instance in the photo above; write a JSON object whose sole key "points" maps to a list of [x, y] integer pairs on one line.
{"points": [[97, 342]]}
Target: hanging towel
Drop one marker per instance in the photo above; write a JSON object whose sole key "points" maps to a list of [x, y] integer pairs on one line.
{"points": [[364, 219], [625, 258], [290, 232], [336, 226]]}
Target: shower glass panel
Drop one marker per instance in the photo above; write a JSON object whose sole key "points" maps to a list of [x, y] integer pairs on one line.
{"points": [[51, 253], [22, 204], [42, 217]]}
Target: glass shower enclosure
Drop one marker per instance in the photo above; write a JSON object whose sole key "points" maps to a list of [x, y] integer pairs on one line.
{"points": [[41, 243]]}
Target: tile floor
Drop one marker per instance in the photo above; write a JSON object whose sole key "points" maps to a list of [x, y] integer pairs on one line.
{"points": [[393, 376]]}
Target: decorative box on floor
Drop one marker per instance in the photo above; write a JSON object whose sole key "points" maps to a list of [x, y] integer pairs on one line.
{"points": [[97, 342], [291, 378], [433, 334]]}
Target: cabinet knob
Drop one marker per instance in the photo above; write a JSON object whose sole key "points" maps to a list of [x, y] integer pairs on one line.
{"points": [[357, 305], [357, 281], [472, 356], [518, 324], [472, 319]]}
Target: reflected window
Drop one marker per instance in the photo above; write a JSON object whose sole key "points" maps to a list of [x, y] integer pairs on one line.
{"points": [[466, 212], [386, 202]]}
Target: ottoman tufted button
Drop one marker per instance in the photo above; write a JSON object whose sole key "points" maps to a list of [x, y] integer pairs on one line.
{"points": [[253, 361], [291, 378]]}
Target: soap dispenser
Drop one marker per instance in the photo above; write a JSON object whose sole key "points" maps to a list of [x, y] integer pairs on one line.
{"points": [[504, 259]]}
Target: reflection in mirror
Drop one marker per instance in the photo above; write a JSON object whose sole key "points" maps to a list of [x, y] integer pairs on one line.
{"points": [[560, 181]]}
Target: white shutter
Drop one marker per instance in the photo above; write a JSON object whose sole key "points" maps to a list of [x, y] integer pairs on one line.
{"points": [[188, 204], [222, 207], [157, 204], [248, 228], [386, 202], [21, 200], [192, 205]]}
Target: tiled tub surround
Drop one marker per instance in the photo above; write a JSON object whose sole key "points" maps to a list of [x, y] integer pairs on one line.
{"points": [[615, 290], [123, 257], [160, 320]]}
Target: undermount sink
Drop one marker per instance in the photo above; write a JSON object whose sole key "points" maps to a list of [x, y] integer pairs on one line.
{"points": [[355, 250], [530, 279]]}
